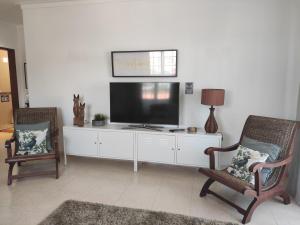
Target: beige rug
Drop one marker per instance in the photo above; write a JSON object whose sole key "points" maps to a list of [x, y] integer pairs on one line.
{"points": [[85, 213]]}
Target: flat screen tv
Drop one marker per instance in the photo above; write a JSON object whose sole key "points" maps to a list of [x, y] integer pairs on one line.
{"points": [[145, 103]]}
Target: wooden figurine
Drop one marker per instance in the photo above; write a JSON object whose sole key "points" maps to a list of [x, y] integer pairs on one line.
{"points": [[78, 110], [81, 115], [75, 109]]}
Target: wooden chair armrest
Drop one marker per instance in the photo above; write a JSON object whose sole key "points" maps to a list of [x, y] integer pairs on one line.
{"points": [[8, 146], [256, 166], [210, 151], [256, 169], [9, 142]]}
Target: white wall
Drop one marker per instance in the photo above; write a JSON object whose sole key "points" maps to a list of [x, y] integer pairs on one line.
{"points": [[293, 75], [12, 36], [241, 46]]}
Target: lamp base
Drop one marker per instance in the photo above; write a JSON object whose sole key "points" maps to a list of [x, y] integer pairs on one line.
{"points": [[211, 125]]}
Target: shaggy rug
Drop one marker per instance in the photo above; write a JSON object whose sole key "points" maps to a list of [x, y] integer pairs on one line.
{"points": [[85, 213]]}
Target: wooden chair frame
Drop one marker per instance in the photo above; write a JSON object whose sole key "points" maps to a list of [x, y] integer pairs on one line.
{"points": [[34, 115], [259, 192]]}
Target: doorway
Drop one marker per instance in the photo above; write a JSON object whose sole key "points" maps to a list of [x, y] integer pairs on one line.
{"points": [[9, 98]]}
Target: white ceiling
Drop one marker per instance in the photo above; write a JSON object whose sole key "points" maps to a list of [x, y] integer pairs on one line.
{"points": [[10, 10]]}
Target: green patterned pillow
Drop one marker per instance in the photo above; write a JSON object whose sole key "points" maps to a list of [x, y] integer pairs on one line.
{"points": [[241, 162], [271, 149], [37, 126], [31, 142]]}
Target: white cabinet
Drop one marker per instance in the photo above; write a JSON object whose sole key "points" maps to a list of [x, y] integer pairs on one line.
{"points": [[158, 148], [116, 144], [191, 147], [94, 142], [113, 142], [81, 142]]}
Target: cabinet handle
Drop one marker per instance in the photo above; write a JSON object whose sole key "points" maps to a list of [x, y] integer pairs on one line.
{"points": [[95, 142], [178, 149], [173, 149]]}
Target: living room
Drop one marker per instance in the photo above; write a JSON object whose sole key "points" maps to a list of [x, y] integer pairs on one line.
{"points": [[249, 49]]}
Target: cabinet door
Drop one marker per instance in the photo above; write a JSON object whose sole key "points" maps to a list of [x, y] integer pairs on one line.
{"points": [[156, 148], [81, 142], [190, 149], [116, 144]]}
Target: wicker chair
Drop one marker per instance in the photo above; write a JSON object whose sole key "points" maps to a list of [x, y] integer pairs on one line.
{"points": [[263, 129], [27, 116]]}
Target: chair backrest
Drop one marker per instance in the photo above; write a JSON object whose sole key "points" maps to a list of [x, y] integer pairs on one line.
{"points": [[270, 130], [36, 115], [275, 131]]}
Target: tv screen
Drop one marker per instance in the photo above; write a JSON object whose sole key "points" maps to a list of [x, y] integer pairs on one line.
{"points": [[145, 103]]}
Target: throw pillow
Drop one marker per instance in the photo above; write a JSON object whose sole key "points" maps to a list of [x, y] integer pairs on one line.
{"points": [[31, 142], [241, 162], [271, 149], [37, 126]]}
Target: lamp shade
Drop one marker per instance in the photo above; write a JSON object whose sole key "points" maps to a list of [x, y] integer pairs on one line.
{"points": [[213, 97]]}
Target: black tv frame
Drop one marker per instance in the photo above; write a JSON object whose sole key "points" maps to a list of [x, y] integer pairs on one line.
{"points": [[150, 126]]}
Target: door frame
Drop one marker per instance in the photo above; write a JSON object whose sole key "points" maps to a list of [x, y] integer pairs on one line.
{"points": [[13, 77]]}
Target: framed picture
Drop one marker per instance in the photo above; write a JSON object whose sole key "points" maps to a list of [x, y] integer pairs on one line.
{"points": [[151, 63], [5, 98]]}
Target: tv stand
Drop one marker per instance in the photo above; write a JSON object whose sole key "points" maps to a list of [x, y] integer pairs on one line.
{"points": [[114, 142], [145, 126]]}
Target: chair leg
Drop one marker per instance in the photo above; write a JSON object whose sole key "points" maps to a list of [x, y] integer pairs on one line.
{"points": [[249, 212], [286, 198], [10, 170], [205, 187], [57, 168]]}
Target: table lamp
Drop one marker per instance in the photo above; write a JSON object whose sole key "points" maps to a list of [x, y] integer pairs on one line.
{"points": [[212, 97]]}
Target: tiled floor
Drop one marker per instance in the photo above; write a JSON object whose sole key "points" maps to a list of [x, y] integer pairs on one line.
{"points": [[155, 187]]}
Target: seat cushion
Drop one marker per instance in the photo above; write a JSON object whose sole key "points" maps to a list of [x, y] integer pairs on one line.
{"points": [[271, 149], [38, 127], [241, 162], [31, 142]]}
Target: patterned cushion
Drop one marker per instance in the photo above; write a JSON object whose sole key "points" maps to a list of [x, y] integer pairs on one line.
{"points": [[31, 142], [37, 126], [272, 150], [241, 162]]}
